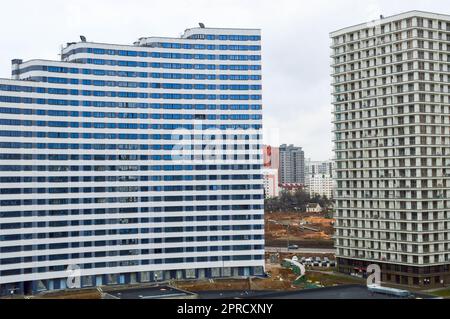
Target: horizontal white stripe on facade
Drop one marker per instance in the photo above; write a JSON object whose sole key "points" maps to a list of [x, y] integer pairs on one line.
{"points": [[80, 261], [122, 226], [114, 248], [39, 241], [94, 217]]}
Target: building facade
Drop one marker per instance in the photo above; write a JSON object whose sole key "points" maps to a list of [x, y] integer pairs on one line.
{"points": [[318, 167], [292, 164], [319, 178], [271, 157], [271, 184], [109, 162], [391, 85], [291, 188], [313, 208], [320, 184], [271, 172]]}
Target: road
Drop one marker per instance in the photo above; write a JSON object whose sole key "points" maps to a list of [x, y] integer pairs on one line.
{"points": [[301, 250]]}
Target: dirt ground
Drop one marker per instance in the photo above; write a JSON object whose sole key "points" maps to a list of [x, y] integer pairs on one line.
{"points": [[241, 284], [77, 294], [305, 229]]}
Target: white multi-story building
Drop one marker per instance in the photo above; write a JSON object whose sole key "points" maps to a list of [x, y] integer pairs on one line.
{"points": [[391, 80], [320, 184], [88, 176], [271, 184]]}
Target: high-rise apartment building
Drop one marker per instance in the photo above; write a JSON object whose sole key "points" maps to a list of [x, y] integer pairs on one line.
{"points": [[320, 184], [319, 178], [318, 167], [292, 164], [391, 84], [91, 177]]}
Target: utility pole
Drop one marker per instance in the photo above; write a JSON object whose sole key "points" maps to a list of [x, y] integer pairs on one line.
{"points": [[288, 236]]}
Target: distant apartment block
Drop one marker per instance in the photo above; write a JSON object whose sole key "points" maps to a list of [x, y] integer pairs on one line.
{"points": [[320, 184], [292, 164], [271, 187], [318, 167], [391, 80], [292, 187], [319, 178], [271, 157]]}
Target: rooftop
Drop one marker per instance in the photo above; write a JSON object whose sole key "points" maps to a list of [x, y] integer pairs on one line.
{"points": [[404, 15]]}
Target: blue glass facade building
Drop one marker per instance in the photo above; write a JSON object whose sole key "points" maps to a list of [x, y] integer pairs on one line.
{"points": [[88, 172]]}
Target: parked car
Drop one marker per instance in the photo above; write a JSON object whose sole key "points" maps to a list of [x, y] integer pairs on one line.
{"points": [[292, 247]]}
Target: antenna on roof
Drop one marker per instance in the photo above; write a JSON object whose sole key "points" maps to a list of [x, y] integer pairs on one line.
{"points": [[61, 52], [201, 25], [83, 38]]}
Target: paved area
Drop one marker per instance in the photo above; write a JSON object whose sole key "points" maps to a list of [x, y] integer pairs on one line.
{"points": [[233, 294], [338, 292], [154, 292]]}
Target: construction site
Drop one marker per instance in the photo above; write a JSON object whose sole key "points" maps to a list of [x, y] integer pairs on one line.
{"points": [[307, 230]]}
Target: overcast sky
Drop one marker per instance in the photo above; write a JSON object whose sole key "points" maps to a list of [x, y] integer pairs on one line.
{"points": [[295, 35]]}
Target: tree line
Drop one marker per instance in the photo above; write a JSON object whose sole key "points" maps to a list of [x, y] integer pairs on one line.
{"points": [[295, 201]]}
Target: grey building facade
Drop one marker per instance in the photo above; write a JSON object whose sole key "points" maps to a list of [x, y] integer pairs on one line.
{"points": [[392, 147], [292, 164]]}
